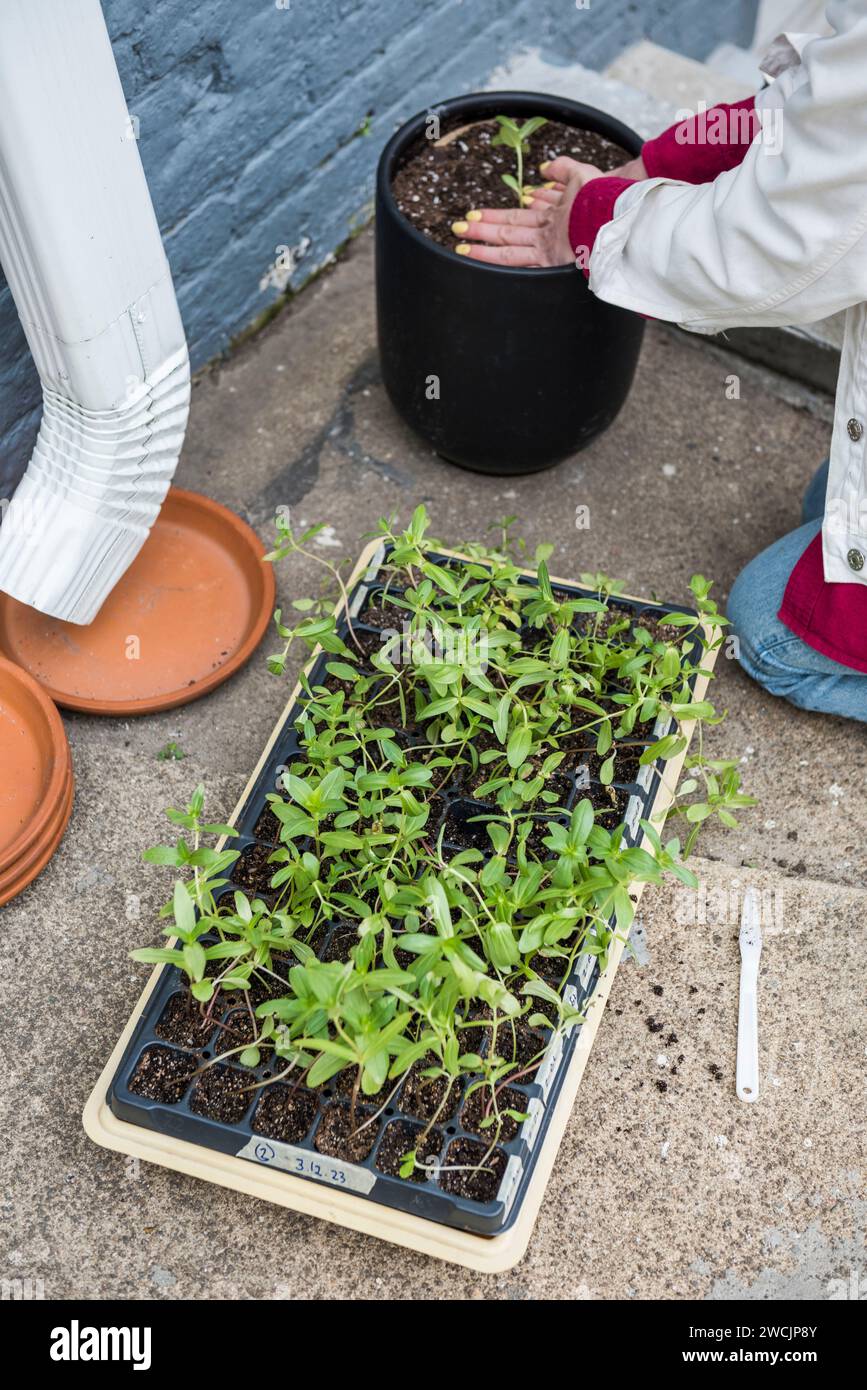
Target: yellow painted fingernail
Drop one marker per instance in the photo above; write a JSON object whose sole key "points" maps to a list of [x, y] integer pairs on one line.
{"points": [[551, 184], [474, 217], [543, 167], [528, 202], [463, 249], [459, 228], [528, 188]]}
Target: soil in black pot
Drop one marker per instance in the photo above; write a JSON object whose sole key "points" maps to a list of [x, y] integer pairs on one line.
{"points": [[339, 1138], [399, 1139], [438, 184], [221, 1093], [251, 871], [466, 1175], [181, 1022], [423, 1096], [476, 1110], [552, 969], [285, 1113], [555, 783], [163, 1074]]}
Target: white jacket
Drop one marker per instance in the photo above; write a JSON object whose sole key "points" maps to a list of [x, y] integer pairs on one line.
{"points": [[780, 240]]}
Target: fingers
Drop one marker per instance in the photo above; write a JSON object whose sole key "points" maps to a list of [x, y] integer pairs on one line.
{"points": [[561, 170], [571, 172], [549, 194], [523, 256], [633, 170], [518, 217], [501, 233]]}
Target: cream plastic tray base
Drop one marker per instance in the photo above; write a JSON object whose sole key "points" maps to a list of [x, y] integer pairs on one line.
{"points": [[486, 1254]]}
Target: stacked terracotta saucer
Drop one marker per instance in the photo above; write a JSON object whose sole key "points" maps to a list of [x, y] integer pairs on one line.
{"points": [[36, 782], [188, 613]]}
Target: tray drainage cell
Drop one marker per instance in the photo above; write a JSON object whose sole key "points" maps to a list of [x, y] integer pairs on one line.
{"points": [[468, 1173], [401, 1138], [285, 1113], [466, 827], [252, 872], [163, 1074]]}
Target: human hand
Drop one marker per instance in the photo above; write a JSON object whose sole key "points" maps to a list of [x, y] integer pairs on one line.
{"points": [[536, 234], [633, 170]]}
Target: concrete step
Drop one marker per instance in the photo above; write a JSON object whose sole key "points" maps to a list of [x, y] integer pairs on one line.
{"points": [[647, 113], [671, 77], [740, 64]]}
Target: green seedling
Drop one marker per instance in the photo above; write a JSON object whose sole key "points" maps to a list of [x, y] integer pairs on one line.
{"points": [[437, 926], [170, 752], [517, 138]]}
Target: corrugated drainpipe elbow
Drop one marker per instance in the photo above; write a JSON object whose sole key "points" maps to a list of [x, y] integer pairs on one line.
{"points": [[83, 256]]}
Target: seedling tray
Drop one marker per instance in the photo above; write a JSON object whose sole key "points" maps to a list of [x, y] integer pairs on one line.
{"points": [[255, 1150]]}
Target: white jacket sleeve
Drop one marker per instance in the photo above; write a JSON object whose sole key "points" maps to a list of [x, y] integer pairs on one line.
{"points": [[780, 240]]}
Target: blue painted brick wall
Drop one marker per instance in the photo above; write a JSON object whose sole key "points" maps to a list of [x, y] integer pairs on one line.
{"points": [[248, 112]]}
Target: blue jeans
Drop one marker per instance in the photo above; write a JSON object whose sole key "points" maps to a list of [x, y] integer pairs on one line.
{"points": [[769, 652]]}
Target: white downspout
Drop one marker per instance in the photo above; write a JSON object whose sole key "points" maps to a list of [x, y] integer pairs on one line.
{"points": [[82, 252]]}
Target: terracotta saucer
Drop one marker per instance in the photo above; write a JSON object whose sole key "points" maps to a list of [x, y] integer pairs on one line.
{"points": [[189, 611], [21, 874], [34, 762]]}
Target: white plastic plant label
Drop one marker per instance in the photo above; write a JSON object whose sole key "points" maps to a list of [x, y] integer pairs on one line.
{"points": [[307, 1164], [511, 1178], [530, 1132]]}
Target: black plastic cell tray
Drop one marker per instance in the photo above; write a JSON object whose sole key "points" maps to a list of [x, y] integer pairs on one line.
{"points": [[426, 1198]]}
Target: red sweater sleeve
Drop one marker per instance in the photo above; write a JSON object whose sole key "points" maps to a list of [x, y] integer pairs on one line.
{"points": [[592, 208], [694, 151], [699, 149]]}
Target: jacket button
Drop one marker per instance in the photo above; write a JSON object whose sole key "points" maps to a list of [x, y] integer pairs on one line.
{"points": [[856, 429], [856, 560]]}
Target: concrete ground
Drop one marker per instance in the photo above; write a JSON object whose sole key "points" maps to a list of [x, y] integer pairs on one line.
{"points": [[666, 1186]]}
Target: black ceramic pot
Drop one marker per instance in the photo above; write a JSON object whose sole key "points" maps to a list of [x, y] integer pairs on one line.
{"points": [[531, 365]]}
